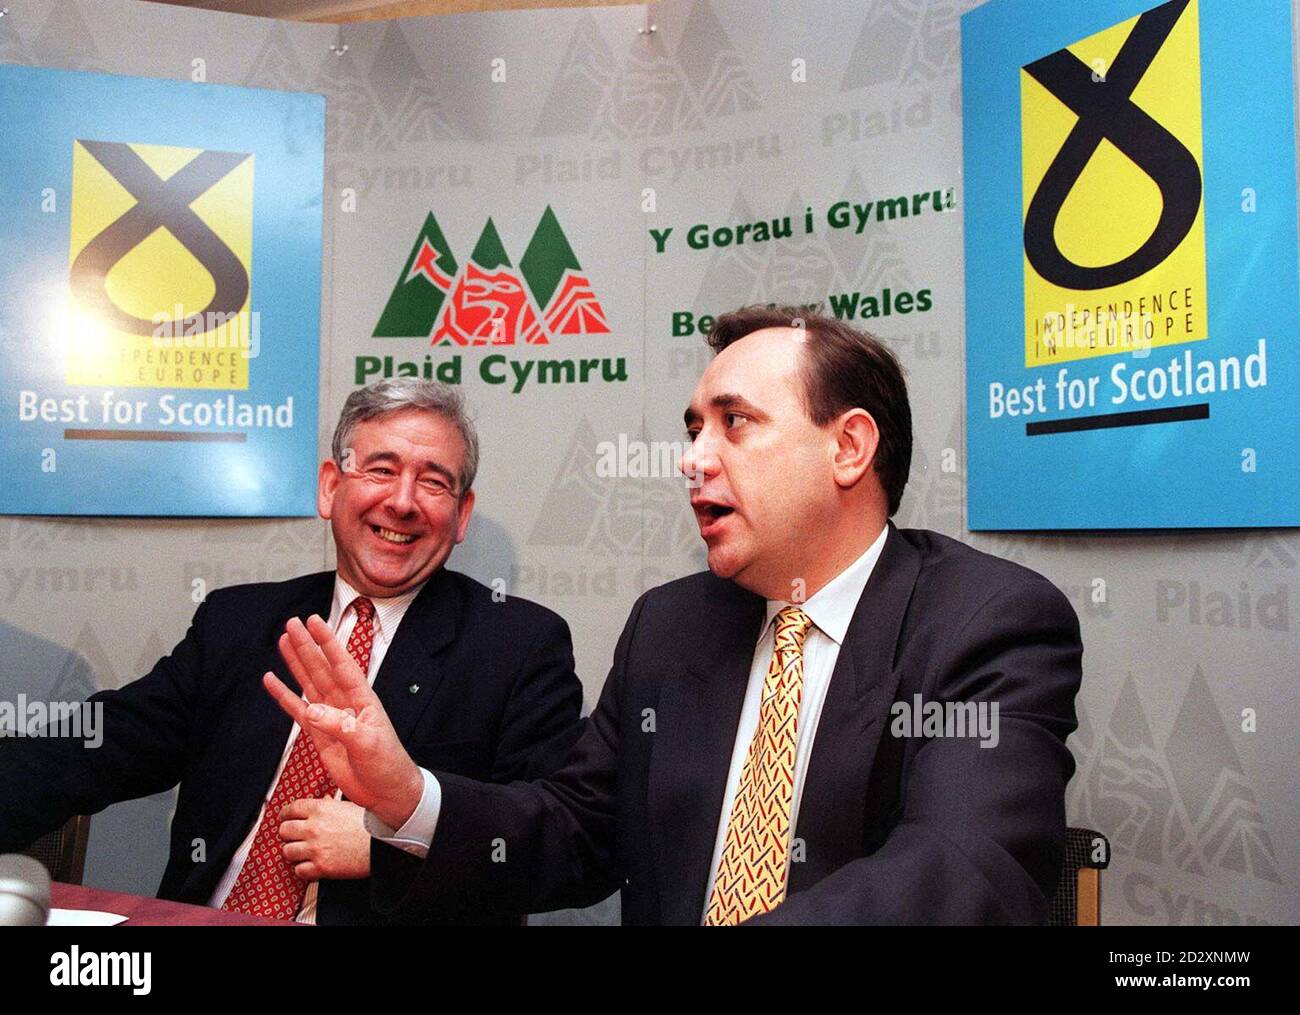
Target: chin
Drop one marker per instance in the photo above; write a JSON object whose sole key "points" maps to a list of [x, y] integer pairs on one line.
{"points": [[724, 565]]}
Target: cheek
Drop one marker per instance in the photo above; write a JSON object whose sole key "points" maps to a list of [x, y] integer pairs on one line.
{"points": [[442, 517], [786, 492]]}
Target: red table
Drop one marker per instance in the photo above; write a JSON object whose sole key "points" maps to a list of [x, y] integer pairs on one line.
{"points": [[142, 911]]}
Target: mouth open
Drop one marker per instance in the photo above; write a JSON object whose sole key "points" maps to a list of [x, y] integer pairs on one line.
{"points": [[389, 536], [710, 516]]}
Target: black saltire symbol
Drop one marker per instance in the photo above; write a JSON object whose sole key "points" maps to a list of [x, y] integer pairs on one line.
{"points": [[1106, 110], [161, 204]]}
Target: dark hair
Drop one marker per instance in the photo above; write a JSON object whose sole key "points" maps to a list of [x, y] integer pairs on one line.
{"points": [[842, 368]]}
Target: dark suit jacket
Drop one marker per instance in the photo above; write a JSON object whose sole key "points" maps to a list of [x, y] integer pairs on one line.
{"points": [[894, 829], [481, 688]]}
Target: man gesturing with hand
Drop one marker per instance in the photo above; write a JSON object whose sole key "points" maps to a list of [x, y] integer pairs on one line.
{"points": [[745, 762], [352, 732], [468, 684]]}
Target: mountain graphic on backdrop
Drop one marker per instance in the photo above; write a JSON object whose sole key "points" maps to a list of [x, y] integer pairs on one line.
{"points": [[732, 273], [1189, 806], [648, 93], [555, 277], [28, 534], [581, 510], [1132, 790], [352, 109], [413, 113], [872, 259], [800, 270], [66, 41], [13, 49], [587, 71], [487, 301], [276, 64], [649, 98], [905, 42], [1271, 549], [393, 104], [713, 67], [422, 287], [576, 496], [1207, 774], [280, 537]]}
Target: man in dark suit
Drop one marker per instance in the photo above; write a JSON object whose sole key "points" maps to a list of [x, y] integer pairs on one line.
{"points": [[474, 683], [844, 722]]}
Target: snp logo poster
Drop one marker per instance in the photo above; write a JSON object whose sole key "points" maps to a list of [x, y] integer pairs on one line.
{"points": [[1133, 315], [159, 296]]}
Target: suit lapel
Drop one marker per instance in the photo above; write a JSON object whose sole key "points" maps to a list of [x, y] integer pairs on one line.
{"points": [[862, 688], [257, 743], [694, 737], [409, 674]]}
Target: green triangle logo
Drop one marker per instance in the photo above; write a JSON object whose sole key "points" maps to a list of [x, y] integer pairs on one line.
{"points": [[422, 286], [547, 258], [490, 252]]}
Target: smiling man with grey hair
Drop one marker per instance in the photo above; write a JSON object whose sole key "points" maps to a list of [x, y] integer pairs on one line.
{"points": [[475, 684]]}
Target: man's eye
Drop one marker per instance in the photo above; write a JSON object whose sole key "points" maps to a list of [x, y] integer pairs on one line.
{"points": [[434, 485], [732, 419], [379, 472]]}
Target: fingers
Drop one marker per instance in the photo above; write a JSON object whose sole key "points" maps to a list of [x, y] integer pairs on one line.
{"points": [[312, 659], [303, 807], [308, 871], [339, 723], [289, 653], [285, 698], [296, 852], [344, 671], [294, 831]]}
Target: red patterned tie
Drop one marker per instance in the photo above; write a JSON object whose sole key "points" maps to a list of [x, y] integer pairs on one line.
{"points": [[266, 885]]}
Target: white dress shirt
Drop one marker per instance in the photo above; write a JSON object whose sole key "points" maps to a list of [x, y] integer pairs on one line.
{"points": [[831, 611], [342, 619]]}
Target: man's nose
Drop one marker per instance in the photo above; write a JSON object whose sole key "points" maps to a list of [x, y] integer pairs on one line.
{"points": [[699, 460], [401, 495]]}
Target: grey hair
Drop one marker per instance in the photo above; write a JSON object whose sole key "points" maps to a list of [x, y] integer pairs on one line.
{"points": [[400, 394]]}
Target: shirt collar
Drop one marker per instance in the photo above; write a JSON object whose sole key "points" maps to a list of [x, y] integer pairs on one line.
{"points": [[388, 612], [831, 608]]}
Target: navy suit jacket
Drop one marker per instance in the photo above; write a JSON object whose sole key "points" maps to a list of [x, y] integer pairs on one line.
{"points": [[894, 829], [481, 688]]}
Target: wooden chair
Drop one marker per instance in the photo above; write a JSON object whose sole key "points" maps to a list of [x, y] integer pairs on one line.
{"points": [[1077, 902], [63, 851]]}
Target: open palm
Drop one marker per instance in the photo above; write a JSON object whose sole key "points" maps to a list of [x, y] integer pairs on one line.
{"points": [[346, 721]]}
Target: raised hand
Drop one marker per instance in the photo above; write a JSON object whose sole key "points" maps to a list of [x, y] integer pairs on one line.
{"points": [[345, 719]]}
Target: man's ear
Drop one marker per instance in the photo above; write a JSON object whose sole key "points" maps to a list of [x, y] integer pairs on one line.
{"points": [[465, 509], [856, 439], [327, 481]]}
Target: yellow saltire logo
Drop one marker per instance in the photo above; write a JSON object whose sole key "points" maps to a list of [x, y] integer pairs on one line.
{"points": [[1114, 224], [160, 267]]}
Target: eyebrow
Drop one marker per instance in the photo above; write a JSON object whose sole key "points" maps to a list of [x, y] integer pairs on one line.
{"points": [[428, 466], [725, 401]]}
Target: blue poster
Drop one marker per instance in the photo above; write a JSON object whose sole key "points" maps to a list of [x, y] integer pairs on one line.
{"points": [[159, 296], [1132, 304]]}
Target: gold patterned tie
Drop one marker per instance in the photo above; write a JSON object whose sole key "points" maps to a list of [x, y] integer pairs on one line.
{"points": [[751, 873]]}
